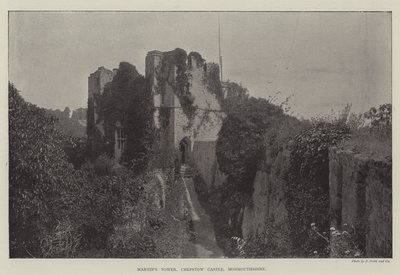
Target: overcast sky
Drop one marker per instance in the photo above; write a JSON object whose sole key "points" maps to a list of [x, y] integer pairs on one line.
{"points": [[324, 59]]}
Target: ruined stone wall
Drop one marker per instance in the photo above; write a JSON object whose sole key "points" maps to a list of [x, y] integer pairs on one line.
{"points": [[203, 155], [268, 213], [152, 61], [361, 196], [96, 83], [208, 116], [205, 160], [206, 124]]}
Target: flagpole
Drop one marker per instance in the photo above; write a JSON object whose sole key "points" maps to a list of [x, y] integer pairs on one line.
{"points": [[219, 48]]}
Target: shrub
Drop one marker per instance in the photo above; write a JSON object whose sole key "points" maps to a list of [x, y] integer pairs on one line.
{"points": [[76, 151], [97, 202], [308, 180], [235, 94], [371, 133], [145, 230], [62, 242], [39, 175], [338, 244], [252, 127], [241, 144], [261, 245]]}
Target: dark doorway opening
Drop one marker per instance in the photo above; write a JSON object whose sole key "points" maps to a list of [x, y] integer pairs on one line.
{"points": [[184, 149]]}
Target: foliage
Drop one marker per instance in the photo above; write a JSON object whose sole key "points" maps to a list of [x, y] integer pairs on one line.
{"points": [[308, 179], [69, 126], [147, 230], [252, 127], [76, 150], [127, 100], [95, 204], [199, 59], [258, 246], [371, 133], [39, 174], [241, 145], [63, 242], [75, 144], [338, 244], [381, 118], [235, 94], [213, 82], [173, 71], [59, 211]]}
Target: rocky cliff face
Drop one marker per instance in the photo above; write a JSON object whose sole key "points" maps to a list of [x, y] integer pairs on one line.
{"points": [[268, 216], [361, 196]]}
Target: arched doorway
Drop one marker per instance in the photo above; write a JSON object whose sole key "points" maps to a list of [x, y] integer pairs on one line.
{"points": [[184, 150]]}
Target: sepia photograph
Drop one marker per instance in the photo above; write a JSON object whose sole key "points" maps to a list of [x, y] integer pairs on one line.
{"points": [[200, 134]]}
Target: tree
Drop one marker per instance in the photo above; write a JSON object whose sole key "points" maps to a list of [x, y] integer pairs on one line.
{"points": [[39, 174]]}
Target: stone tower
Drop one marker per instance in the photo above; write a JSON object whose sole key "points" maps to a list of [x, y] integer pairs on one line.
{"points": [[179, 133], [96, 83]]}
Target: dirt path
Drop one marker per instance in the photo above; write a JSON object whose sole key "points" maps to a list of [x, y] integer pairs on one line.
{"points": [[203, 244]]}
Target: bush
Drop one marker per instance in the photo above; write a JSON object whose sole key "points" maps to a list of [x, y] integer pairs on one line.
{"points": [[308, 180], [252, 127], [241, 141], [59, 211], [338, 244], [262, 245], [371, 133], [76, 151], [39, 175], [147, 230], [96, 204], [62, 242]]}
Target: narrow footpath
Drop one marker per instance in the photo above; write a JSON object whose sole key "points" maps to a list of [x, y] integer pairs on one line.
{"points": [[203, 243]]}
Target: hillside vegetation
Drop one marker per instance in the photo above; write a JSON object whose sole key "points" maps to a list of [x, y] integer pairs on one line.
{"points": [[95, 209]]}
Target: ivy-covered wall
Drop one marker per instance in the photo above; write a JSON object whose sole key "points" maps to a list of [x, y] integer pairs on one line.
{"points": [[361, 197], [187, 96], [96, 83]]}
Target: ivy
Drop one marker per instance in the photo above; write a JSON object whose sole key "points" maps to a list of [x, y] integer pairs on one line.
{"points": [[179, 83], [128, 100], [165, 115], [199, 59], [235, 94], [241, 143], [213, 82], [308, 180]]}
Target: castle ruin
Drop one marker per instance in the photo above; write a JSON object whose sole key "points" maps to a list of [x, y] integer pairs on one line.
{"points": [[187, 95]]}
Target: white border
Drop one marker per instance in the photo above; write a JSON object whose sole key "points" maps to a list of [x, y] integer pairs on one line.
{"points": [[128, 266]]}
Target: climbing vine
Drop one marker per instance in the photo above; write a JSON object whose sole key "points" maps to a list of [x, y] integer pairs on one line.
{"points": [[213, 82], [176, 62], [128, 101], [241, 141], [308, 180], [199, 59]]}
